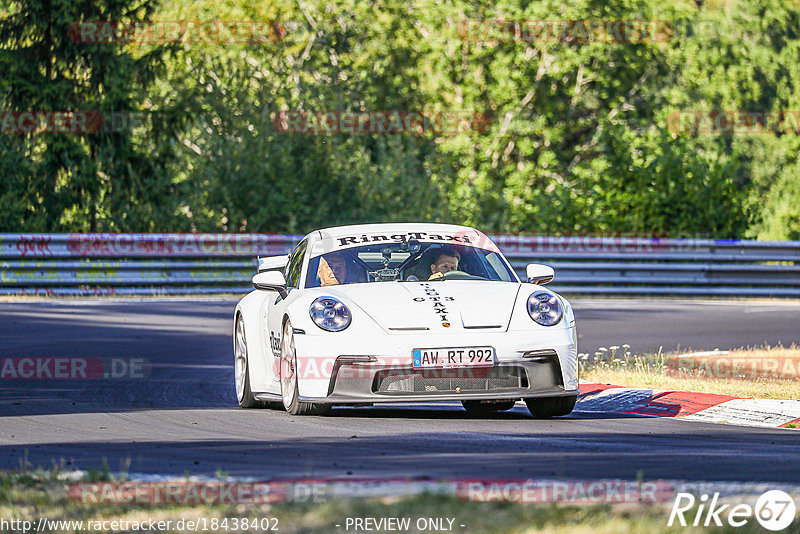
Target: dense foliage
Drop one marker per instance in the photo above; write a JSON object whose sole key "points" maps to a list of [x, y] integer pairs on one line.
{"points": [[578, 137]]}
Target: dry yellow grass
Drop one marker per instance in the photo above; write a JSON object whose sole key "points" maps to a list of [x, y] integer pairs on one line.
{"points": [[776, 389], [792, 351], [706, 374]]}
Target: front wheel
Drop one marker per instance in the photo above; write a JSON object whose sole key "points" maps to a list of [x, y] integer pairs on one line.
{"points": [[289, 374], [546, 407], [241, 369], [479, 408]]}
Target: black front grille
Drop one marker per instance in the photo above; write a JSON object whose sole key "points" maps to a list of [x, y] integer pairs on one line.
{"points": [[462, 380]]}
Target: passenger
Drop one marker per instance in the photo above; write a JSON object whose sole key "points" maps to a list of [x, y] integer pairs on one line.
{"points": [[332, 269]]}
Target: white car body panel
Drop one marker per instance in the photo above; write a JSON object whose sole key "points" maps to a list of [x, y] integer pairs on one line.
{"points": [[267, 263]]}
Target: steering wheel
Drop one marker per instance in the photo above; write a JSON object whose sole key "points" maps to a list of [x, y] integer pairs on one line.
{"points": [[456, 275]]}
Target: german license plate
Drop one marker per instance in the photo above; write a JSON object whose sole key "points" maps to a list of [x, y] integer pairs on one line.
{"points": [[453, 357]]}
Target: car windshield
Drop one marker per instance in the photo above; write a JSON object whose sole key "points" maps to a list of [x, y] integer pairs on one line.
{"points": [[407, 262]]}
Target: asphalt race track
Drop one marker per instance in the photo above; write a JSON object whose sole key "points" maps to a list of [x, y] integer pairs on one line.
{"points": [[183, 416]]}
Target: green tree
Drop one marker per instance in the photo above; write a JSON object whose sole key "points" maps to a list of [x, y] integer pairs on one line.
{"points": [[246, 175], [579, 138], [85, 182]]}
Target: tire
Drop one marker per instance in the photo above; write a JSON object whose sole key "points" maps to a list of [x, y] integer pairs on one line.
{"points": [[241, 369], [483, 409], [288, 370], [546, 407]]}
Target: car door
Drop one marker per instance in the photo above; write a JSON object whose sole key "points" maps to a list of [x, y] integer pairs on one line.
{"points": [[275, 306]]}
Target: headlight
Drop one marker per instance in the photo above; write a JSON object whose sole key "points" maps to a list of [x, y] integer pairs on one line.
{"points": [[330, 314], [544, 308]]}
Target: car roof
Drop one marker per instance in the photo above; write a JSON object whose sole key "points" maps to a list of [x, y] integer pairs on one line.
{"points": [[344, 237], [338, 231]]}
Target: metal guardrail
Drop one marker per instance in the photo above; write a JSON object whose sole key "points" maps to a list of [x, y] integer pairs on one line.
{"points": [[147, 264]]}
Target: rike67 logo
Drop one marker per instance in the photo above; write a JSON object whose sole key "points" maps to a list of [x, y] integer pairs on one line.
{"points": [[774, 510]]}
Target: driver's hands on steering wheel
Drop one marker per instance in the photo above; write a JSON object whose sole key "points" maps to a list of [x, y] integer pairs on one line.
{"points": [[435, 276]]}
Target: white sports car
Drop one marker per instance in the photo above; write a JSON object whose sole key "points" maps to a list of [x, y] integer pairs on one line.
{"points": [[377, 313]]}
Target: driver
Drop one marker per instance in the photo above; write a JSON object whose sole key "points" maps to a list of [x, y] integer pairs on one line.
{"points": [[444, 261], [332, 269]]}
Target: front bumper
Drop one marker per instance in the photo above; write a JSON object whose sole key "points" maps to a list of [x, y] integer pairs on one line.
{"points": [[337, 369], [352, 383]]}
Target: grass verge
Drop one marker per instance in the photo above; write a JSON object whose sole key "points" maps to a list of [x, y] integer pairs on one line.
{"points": [[762, 372]]}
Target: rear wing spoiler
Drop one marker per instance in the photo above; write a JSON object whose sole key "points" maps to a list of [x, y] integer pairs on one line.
{"points": [[271, 263]]}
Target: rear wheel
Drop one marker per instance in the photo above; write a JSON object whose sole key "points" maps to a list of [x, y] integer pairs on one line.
{"points": [[546, 407], [241, 369], [480, 408], [289, 390]]}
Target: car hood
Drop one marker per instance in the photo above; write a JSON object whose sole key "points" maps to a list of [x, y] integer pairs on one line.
{"points": [[439, 306]]}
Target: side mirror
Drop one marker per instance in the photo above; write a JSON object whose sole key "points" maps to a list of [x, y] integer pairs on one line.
{"points": [[269, 263], [539, 274], [271, 281]]}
